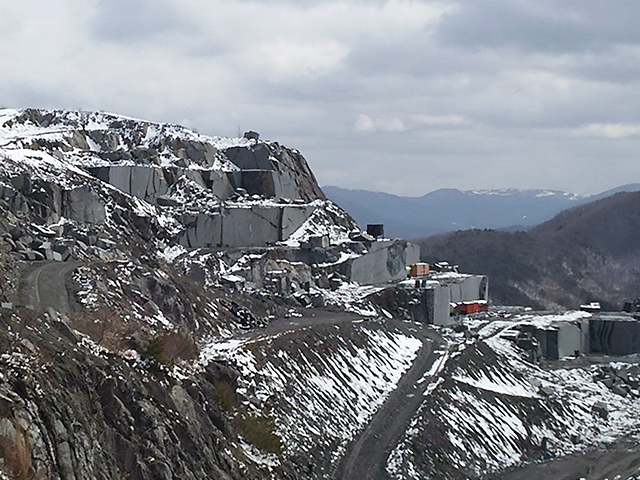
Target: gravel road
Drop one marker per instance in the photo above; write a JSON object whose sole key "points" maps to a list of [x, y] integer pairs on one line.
{"points": [[44, 286]]}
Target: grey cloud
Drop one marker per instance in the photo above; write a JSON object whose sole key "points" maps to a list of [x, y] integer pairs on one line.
{"points": [[131, 20], [543, 25], [532, 84], [15, 94], [621, 67]]}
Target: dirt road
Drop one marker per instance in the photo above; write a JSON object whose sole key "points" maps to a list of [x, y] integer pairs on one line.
{"points": [[44, 286], [621, 460], [368, 454]]}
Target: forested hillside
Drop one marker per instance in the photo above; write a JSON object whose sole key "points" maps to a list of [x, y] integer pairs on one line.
{"points": [[587, 253]]}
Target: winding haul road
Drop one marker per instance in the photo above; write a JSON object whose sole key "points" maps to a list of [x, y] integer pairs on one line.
{"points": [[44, 286], [367, 456]]}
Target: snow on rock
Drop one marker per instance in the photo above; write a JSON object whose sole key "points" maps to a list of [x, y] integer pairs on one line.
{"points": [[491, 409], [320, 385], [329, 220], [352, 297]]}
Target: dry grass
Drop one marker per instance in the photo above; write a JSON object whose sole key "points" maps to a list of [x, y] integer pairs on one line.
{"points": [[169, 348], [15, 452], [178, 347], [259, 432], [225, 395]]}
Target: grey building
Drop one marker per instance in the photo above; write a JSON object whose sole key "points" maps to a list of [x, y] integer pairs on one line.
{"points": [[439, 293]]}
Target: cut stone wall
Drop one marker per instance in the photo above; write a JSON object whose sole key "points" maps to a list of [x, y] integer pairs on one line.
{"points": [[469, 288], [142, 182], [255, 226], [243, 227], [385, 262], [201, 231], [614, 336], [441, 307], [570, 340]]}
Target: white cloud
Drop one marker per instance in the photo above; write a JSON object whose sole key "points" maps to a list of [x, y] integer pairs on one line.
{"points": [[364, 123], [440, 120], [609, 130], [534, 100], [285, 58]]}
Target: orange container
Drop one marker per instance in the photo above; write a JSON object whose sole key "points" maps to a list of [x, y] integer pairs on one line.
{"points": [[419, 270]]}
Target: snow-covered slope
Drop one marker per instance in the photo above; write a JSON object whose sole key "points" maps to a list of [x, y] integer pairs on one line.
{"points": [[491, 409]]}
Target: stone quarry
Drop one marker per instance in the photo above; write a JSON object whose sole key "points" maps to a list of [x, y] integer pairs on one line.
{"points": [[174, 305], [197, 193]]}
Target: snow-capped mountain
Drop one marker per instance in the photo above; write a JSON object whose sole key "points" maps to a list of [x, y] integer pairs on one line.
{"points": [[448, 210]]}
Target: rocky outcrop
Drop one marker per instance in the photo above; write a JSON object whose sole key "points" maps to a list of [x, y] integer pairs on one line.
{"points": [[75, 411], [274, 171], [127, 249]]}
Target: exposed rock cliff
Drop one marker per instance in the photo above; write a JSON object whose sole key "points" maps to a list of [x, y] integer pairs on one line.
{"points": [[129, 248]]}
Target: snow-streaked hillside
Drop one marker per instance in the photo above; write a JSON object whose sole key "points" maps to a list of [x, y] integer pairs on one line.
{"points": [[491, 409]]}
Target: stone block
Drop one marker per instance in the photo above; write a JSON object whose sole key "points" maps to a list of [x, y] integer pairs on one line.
{"points": [[83, 205], [220, 183], [63, 252], [317, 301], [196, 177], [619, 390], [105, 243], [293, 218], [201, 231], [546, 391], [29, 255], [17, 233], [319, 241], [385, 262], [255, 157], [22, 183], [45, 246], [166, 201]]}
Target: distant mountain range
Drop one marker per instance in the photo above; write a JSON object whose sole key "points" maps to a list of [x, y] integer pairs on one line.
{"points": [[448, 209], [586, 253]]}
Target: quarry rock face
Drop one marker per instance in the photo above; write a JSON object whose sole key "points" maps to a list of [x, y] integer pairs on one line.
{"points": [[180, 306], [385, 261], [126, 248], [196, 191]]}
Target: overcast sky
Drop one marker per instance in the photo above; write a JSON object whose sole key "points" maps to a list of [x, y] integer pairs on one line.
{"points": [[401, 96]]}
